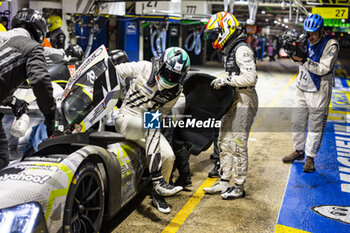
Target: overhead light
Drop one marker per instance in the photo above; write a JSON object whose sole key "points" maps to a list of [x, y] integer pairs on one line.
{"points": [[286, 26], [263, 12], [283, 24], [275, 21], [285, 20], [267, 20], [301, 18]]}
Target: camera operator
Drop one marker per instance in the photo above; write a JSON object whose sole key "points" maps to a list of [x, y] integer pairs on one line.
{"points": [[313, 94]]}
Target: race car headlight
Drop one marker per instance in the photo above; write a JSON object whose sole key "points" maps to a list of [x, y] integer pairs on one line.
{"points": [[24, 218]]}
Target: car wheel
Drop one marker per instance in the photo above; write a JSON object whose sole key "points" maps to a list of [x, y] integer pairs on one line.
{"points": [[85, 201]]}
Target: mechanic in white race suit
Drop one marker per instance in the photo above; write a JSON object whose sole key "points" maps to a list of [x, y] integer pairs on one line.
{"points": [[155, 88], [314, 89], [239, 63]]}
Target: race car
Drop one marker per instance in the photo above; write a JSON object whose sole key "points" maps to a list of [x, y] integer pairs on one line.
{"points": [[71, 183], [74, 181]]}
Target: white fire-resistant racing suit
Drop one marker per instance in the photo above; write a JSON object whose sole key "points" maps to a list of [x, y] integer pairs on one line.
{"points": [[239, 61], [313, 95], [147, 94]]}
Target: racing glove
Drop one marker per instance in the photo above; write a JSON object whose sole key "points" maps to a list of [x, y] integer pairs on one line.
{"points": [[219, 82], [50, 124], [18, 106]]}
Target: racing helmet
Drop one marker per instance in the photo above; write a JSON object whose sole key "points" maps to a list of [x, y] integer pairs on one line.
{"points": [[174, 65], [4, 21], [119, 56], [221, 27], [32, 21], [54, 22], [313, 23], [75, 51]]}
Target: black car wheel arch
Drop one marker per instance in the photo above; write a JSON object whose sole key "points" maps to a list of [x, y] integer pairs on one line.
{"points": [[85, 201]]}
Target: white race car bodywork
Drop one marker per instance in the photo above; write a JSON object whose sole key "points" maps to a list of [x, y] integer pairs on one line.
{"points": [[46, 180]]}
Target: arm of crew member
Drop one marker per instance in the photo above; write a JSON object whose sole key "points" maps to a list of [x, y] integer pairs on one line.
{"points": [[39, 79], [132, 69], [246, 63], [61, 39], [296, 59], [327, 60]]}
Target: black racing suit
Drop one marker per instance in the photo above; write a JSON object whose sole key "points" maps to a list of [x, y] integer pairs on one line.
{"points": [[57, 39], [21, 59]]}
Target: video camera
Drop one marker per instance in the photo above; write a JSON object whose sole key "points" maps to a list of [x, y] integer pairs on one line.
{"points": [[295, 45]]}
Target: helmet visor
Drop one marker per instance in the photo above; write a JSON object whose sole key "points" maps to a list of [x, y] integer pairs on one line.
{"points": [[169, 76], [211, 33]]}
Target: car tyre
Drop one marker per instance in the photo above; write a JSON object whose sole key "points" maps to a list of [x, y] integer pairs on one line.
{"points": [[85, 201]]}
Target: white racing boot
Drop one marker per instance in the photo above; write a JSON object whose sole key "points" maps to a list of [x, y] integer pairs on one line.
{"points": [[236, 191], [164, 189], [220, 187], [159, 202]]}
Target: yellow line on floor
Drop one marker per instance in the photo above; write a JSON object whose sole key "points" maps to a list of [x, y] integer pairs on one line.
{"points": [[285, 229], [343, 70], [182, 215], [273, 103], [271, 85], [277, 98]]}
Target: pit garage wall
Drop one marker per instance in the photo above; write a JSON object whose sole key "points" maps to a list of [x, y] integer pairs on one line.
{"points": [[187, 31], [13, 7], [129, 38], [79, 7]]}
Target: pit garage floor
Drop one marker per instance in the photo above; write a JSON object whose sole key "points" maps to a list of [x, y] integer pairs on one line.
{"points": [[279, 197]]}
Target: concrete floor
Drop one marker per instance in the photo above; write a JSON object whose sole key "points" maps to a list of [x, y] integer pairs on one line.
{"points": [[270, 139]]}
